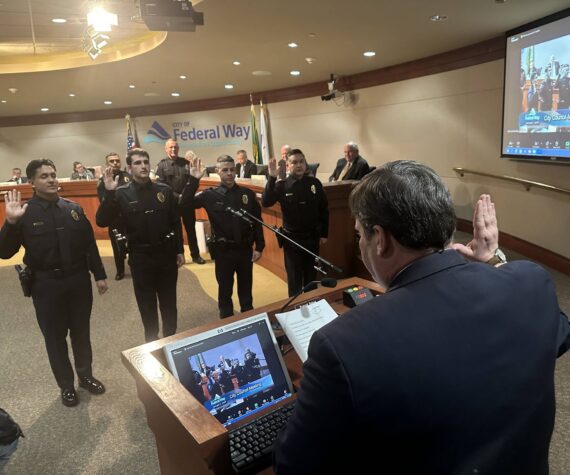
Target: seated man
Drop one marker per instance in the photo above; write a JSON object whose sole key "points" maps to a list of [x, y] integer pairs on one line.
{"points": [[244, 166], [463, 352], [17, 177], [80, 172], [352, 166]]}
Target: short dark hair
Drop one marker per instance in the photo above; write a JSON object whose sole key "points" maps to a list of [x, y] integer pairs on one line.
{"points": [[38, 163], [241, 152], [410, 201], [75, 164], [296, 151], [224, 159], [111, 154], [16, 168], [136, 151]]}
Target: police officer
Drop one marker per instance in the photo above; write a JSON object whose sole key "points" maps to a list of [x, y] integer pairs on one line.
{"points": [[60, 252], [149, 213], [116, 230], [174, 171], [234, 237], [305, 212]]}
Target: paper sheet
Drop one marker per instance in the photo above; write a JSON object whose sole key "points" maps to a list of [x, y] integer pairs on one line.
{"points": [[300, 324]]}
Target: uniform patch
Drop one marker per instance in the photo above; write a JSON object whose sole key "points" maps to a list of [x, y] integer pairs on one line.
{"points": [[313, 189], [160, 196], [74, 215], [38, 223], [244, 199]]}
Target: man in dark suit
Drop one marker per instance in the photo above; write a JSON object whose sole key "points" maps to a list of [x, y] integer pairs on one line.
{"points": [[244, 166], [464, 352], [17, 176], [352, 166]]}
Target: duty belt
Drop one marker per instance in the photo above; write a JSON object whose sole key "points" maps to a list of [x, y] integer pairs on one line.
{"points": [[60, 273]]}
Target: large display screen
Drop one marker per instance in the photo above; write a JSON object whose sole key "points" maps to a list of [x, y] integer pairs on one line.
{"points": [[536, 106]]}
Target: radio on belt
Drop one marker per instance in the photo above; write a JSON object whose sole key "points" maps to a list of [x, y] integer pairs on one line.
{"points": [[356, 295]]}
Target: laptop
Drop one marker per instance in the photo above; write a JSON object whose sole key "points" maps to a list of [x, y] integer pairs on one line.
{"points": [[235, 370]]}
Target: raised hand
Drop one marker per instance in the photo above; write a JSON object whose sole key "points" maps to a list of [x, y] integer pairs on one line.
{"points": [[196, 168], [485, 232], [272, 168], [111, 182], [14, 207]]}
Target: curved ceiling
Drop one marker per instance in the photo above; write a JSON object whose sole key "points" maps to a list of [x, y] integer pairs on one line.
{"points": [[334, 33]]}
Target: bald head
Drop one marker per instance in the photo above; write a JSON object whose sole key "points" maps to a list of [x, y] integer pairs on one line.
{"points": [[350, 151], [285, 149]]}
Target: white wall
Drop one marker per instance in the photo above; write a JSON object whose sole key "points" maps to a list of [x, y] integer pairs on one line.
{"points": [[446, 120]]}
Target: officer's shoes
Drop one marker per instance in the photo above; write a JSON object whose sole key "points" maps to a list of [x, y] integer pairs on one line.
{"points": [[69, 397], [94, 386], [198, 260], [119, 276]]}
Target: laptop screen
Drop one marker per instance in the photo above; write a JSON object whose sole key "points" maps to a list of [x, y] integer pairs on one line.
{"points": [[234, 370]]}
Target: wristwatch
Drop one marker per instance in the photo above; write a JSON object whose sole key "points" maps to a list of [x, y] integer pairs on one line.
{"points": [[498, 258]]}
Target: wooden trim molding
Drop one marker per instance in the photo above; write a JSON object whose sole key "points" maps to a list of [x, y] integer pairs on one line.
{"points": [[486, 51], [528, 249]]}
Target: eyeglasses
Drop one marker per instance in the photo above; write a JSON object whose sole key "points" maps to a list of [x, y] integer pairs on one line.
{"points": [[140, 162]]}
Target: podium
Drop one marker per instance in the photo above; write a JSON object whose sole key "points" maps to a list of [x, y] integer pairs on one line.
{"points": [[188, 438]]}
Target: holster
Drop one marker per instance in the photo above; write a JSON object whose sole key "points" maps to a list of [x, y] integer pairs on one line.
{"points": [[26, 277]]}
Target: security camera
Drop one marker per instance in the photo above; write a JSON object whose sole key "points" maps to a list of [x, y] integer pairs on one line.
{"points": [[331, 95]]}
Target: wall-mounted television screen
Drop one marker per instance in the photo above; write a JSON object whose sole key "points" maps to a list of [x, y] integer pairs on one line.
{"points": [[536, 102]]}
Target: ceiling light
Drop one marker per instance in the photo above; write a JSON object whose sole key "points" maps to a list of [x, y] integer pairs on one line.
{"points": [[94, 42], [101, 20], [44, 109], [13, 90], [310, 60], [4, 101], [236, 63], [59, 20], [175, 94], [131, 86], [312, 35], [369, 54], [183, 77], [229, 86], [71, 94], [261, 73], [295, 73], [438, 17], [107, 103], [151, 94], [292, 45]]}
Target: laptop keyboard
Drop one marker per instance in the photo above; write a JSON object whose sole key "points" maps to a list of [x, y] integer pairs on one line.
{"points": [[251, 445]]}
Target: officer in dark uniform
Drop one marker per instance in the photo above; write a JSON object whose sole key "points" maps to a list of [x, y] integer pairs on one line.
{"points": [[116, 229], [305, 212], [174, 171], [149, 213], [60, 252], [234, 237]]}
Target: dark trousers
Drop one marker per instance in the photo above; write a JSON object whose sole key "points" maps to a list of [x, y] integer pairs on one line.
{"points": [[154, 277], [63, 304], [117, 254], [299, 265], [228, 262], [189, 220]]}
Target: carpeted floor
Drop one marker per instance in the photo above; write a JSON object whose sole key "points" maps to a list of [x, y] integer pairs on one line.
{"points": [[104, 434]]}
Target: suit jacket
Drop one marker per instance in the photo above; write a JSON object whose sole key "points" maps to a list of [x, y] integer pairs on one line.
{"points": [[23, 179], [358, 169], [250, 169], [450, 372]]}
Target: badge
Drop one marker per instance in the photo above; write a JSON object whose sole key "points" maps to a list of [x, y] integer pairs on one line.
{"points": [[244, 199], [74, 215], [126, 179], [313, 189], [161, 197]]}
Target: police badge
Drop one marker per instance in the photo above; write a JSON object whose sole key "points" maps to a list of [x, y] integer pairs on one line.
{"points": [[74, 215], [313, 189], [160, 196], [244, 199]]}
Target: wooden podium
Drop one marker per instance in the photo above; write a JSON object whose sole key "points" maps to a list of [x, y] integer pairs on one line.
{"points": [[188, 438]]}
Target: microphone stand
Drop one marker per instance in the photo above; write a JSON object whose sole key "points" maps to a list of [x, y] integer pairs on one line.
{"points": [[319, 261]]}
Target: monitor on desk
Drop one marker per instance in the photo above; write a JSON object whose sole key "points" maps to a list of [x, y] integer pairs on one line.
{"points": [[234, 370]]}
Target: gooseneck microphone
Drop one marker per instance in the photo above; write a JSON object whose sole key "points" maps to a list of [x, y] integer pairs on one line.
{"points": [[326, 282], [240, 213]]}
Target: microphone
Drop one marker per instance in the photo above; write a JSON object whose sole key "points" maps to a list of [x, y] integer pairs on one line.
{"points": [[326, 282], [238, 212]]}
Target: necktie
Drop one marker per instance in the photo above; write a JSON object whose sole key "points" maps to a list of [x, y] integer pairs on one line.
{"points": [[345, 170]]}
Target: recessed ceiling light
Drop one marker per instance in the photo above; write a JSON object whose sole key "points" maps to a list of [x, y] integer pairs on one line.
{"points": [[312, 35], [292, 45], [229, 86], [295, 73], [44, 109], [4, 101], [183, 77], [59, 20], [236, 63], [369, 54], [175, 94], [107, 103], [310, 60], [151, 94], [438, 17], [261, 73], [71, 94], [131, 86]]}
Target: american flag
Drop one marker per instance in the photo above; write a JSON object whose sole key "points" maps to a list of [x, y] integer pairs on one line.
{"points": [[132, 138]]}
